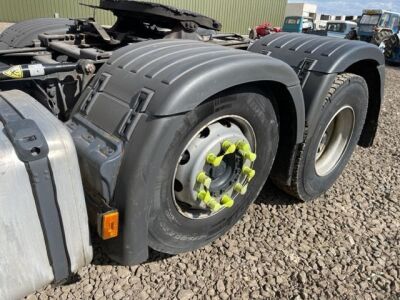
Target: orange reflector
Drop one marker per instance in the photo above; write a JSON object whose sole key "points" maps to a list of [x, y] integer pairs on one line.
{"points": [[110, 223]]}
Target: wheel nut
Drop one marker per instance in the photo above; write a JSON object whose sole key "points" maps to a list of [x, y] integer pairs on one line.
{"points": [[209, 201], [250, 156], [227, 201], [204, 179], [214, 160], [243, 146], [228, 147], [249, 172], [240, 188], [214, 205], [205, 197]]}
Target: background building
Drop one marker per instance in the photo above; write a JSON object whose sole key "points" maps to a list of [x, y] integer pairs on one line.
{"points": [[301, 9], [235, 15]]}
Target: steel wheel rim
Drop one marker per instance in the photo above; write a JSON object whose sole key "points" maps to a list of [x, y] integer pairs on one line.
{"points": [[334, 142], [185, 185]]}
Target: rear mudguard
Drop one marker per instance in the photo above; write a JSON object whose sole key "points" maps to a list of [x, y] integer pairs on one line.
{"points": [[145, 84], [317, 61]]}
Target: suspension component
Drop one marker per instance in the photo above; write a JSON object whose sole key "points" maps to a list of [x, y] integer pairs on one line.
{"points": [[35, 70]]}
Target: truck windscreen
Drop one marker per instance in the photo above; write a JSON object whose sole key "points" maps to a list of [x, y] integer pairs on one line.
{"points": [[293, 21], [370, 19]]}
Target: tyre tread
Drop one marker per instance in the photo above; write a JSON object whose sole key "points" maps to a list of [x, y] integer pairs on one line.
{"points": [[293, 188]]}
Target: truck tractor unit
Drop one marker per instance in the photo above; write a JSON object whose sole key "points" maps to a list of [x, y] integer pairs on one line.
{"points": [[376, 25], [157, 135]]}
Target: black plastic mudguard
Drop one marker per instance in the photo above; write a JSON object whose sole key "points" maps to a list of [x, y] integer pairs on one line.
{"points": [[145, 84], [317, 61]]}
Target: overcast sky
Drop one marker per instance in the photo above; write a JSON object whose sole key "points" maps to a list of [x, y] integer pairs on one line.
{"points": [[352, 7]]}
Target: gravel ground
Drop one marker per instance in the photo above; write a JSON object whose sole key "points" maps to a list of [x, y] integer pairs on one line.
{"points": [[345, 244]]}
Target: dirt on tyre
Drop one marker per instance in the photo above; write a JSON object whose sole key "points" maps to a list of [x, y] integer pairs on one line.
{"points": [[213, 168], [325, 153]]}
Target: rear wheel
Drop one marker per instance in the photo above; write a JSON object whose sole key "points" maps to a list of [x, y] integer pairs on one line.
{"points": [[23, 34], [326, 152], [214, 168]]}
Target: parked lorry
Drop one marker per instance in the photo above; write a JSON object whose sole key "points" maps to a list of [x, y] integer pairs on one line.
{"points": [[301, 25], [160, 137], [376, 24]]}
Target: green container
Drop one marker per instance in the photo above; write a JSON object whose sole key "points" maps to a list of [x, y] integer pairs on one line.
{"points": [[236, 15]]}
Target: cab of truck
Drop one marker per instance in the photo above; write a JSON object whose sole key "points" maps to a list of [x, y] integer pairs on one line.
{"points": [[298, 24], [376, 20], [340, 29]]}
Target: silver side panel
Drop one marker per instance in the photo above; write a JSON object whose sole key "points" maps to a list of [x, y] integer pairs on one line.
{"points": [[20, 231], [24, 263]]}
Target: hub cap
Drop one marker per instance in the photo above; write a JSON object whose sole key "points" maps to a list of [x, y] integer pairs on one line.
{"points": [[215, 168], [334, 141]]}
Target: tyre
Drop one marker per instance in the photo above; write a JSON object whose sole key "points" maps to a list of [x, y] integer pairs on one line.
{"points": [[213, 168], [326, 152], [352, 35], [24, 33], [380, 36], [391, 44], [253, 34]]}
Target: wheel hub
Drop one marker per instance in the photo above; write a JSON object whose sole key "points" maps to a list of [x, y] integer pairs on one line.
{"points": [[215, 168], [334, 141]]}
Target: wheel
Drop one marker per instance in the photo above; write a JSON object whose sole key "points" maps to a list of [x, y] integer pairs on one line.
{"points": [[352, 35], [24, 33], [213, 168], [253, 34], [380, 36], [326, 152], [390, 44]]}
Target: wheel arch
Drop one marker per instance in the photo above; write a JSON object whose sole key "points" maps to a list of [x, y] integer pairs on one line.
{"points": [[175, 76], [319, 60], [374, 75]]}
